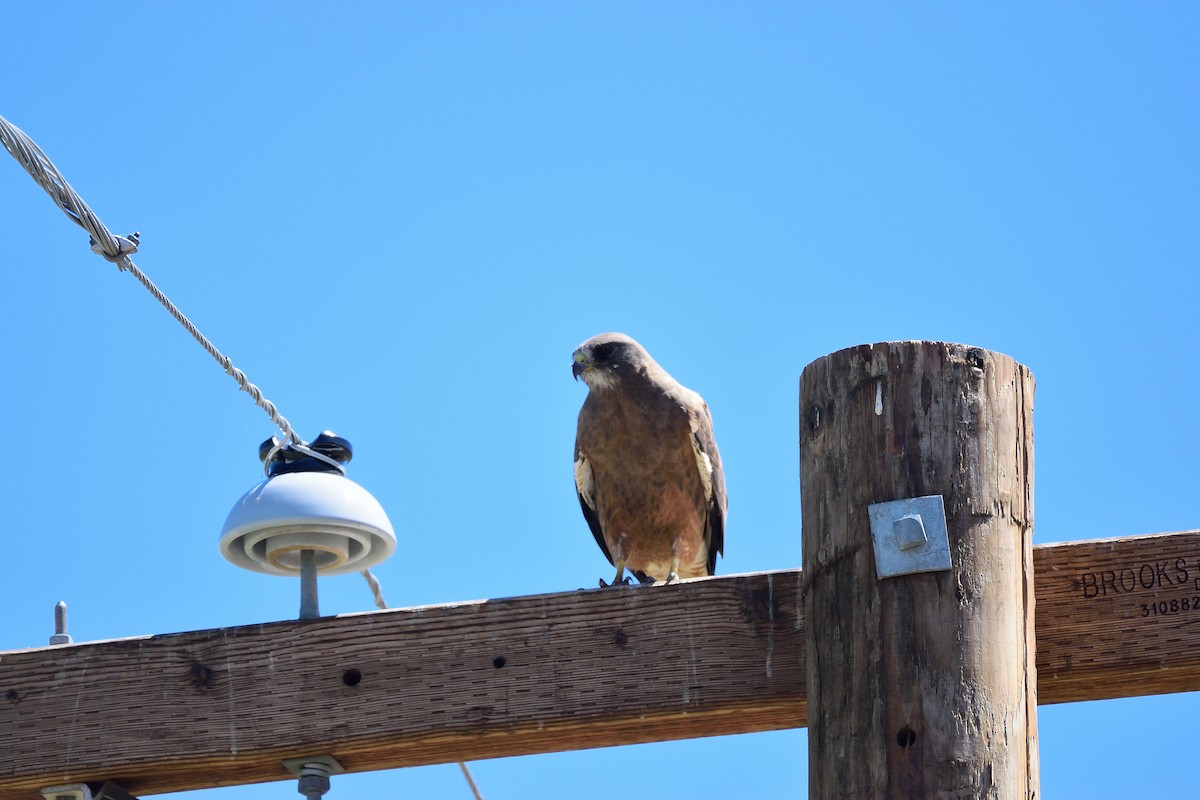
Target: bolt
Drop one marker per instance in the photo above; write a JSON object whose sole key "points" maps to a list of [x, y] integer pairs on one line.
{"points": [[309, 606], [60, 625], [314, 780], [909, 531]]}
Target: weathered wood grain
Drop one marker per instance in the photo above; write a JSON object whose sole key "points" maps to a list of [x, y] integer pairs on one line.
{"points": [[429, 685], [224, 707], [920, 685], [1118, 617]]}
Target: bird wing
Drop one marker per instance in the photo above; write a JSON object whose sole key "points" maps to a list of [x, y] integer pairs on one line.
{"points": [[585, 489], [712, 475]]}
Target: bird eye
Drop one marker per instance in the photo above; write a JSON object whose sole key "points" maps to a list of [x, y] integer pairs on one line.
{"points": [[601, 352]]}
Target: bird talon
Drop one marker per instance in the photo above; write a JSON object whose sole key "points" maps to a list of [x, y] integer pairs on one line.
{"points": [[622, 582]]}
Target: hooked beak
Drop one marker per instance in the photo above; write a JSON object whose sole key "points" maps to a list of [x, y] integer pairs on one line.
{"points": [[580, 364]]}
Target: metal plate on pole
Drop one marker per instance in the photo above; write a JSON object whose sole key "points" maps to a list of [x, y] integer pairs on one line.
{"points": [[910, 536]]}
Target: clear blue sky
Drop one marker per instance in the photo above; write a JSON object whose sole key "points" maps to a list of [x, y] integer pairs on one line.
{"points": [[399, 219]]}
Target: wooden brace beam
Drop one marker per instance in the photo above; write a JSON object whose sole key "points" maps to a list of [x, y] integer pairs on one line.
{"points": [[531, 674]]}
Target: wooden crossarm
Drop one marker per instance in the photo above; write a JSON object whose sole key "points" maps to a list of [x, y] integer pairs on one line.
{"points": [[1115, 618]]}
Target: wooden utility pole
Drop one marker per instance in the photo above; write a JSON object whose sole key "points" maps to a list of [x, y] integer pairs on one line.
{"points": [[919, 685]]}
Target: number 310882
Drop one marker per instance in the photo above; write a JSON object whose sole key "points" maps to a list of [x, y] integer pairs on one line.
{"points": [[1164, 608]]}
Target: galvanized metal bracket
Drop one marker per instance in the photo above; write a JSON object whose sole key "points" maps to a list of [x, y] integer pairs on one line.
{"points": [[81, 791], [69, 791], [910, 536]]}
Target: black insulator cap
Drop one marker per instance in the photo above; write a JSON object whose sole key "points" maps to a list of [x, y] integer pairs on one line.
{"points": [[334, 446], [286, 459]]}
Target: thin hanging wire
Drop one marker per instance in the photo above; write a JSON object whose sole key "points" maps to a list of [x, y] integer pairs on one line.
{"points": [[470, 781], [377, 591], [118, 249]]}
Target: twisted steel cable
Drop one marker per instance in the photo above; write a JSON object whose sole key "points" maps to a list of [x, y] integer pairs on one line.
{"points": [[118, 250]]}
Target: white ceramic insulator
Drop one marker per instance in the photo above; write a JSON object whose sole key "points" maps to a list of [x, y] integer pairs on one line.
{"points": [[320, 511]]}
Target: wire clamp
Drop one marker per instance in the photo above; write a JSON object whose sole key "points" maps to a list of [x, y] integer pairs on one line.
{"points": [[126, 246]]}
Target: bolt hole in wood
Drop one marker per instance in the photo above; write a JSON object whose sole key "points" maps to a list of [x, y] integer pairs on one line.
{"points": [[352, 677], [498, 662], [12, 696], [202, 676], [907, 737]]}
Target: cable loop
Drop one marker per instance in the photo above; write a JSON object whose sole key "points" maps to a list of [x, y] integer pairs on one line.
{"points": [[299, 447]]}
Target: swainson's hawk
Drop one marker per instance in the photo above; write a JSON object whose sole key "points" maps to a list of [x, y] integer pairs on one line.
{"points": [[647, 470]]}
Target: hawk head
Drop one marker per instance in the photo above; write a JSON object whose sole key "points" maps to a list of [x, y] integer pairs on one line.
{"points": [[603, 361]]}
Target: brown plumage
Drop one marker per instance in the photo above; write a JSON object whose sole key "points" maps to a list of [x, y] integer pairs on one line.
{"points": [[647, 470]]}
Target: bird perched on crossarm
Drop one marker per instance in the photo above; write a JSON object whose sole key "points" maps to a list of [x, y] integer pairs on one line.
{"points": [[647, 469]]}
